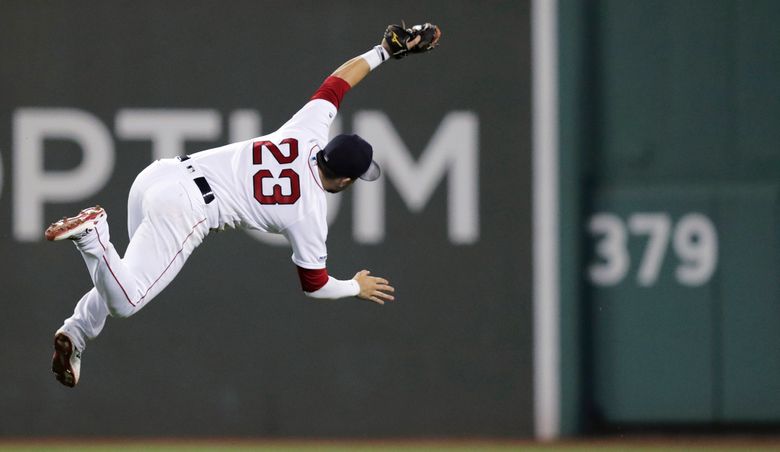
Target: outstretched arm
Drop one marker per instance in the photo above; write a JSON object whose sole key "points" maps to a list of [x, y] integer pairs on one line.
{"points": [[356, 69], [397, 43]]}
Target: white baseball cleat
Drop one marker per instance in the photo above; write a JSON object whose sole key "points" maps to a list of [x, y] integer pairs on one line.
{"points": [[66, 362], [74, 228]]}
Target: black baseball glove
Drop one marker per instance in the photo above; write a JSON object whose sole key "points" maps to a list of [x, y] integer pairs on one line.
{"points": [[397, 37]]}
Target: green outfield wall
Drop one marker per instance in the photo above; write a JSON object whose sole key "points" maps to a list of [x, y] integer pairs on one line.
{"points": [[670, 214]]}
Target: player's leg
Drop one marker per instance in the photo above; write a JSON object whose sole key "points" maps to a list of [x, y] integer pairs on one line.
{"points": [[165, 224], [161, 244], [89, 315], [87, 321], [164, 204], [172, 226]]}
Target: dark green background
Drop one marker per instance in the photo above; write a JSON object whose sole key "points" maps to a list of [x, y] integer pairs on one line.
{"points": [[232, 347]]}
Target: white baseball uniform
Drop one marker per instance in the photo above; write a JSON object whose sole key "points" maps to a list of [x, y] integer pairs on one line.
{"points": [[270, 183]]}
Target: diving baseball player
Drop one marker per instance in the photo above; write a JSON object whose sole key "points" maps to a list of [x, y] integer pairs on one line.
{"points": [[274, 183]]}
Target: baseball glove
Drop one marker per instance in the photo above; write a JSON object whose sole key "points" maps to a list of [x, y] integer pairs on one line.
{"points": [[397, 37]]}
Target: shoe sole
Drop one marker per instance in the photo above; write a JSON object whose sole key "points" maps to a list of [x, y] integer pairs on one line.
{"points": [[60, 362], [69, 227]]}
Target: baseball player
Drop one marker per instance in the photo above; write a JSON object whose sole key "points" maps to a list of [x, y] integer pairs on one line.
{"points": [[274, 183]]}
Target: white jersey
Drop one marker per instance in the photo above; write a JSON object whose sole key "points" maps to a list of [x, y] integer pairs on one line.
{"points": [[271, 183]]}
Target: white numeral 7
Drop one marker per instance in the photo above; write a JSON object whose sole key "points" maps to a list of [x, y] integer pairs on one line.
{"points": [[657, 227]]}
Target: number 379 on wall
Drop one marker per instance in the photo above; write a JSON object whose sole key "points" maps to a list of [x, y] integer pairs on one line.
{"points": [[692, 238]]}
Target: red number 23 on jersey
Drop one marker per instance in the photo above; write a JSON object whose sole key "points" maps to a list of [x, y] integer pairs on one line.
{"points": [[276, 197]]}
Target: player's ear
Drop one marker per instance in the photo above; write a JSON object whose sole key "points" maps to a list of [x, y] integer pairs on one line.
{"points": [[344, 182]]}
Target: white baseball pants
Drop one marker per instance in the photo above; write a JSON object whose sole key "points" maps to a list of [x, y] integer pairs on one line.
{"points": [[167, 219]]}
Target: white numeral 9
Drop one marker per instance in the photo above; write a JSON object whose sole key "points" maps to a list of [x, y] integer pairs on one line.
{"points": [[696, 243]]}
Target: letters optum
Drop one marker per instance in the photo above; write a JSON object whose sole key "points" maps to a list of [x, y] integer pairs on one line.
{"points": [[452, 151]]}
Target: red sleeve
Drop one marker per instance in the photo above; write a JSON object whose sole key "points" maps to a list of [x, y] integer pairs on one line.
{"points": [[332, 90], [312, 280]]}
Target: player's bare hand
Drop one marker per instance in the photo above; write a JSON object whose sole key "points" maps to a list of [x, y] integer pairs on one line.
{"points": [[374, 288]]}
